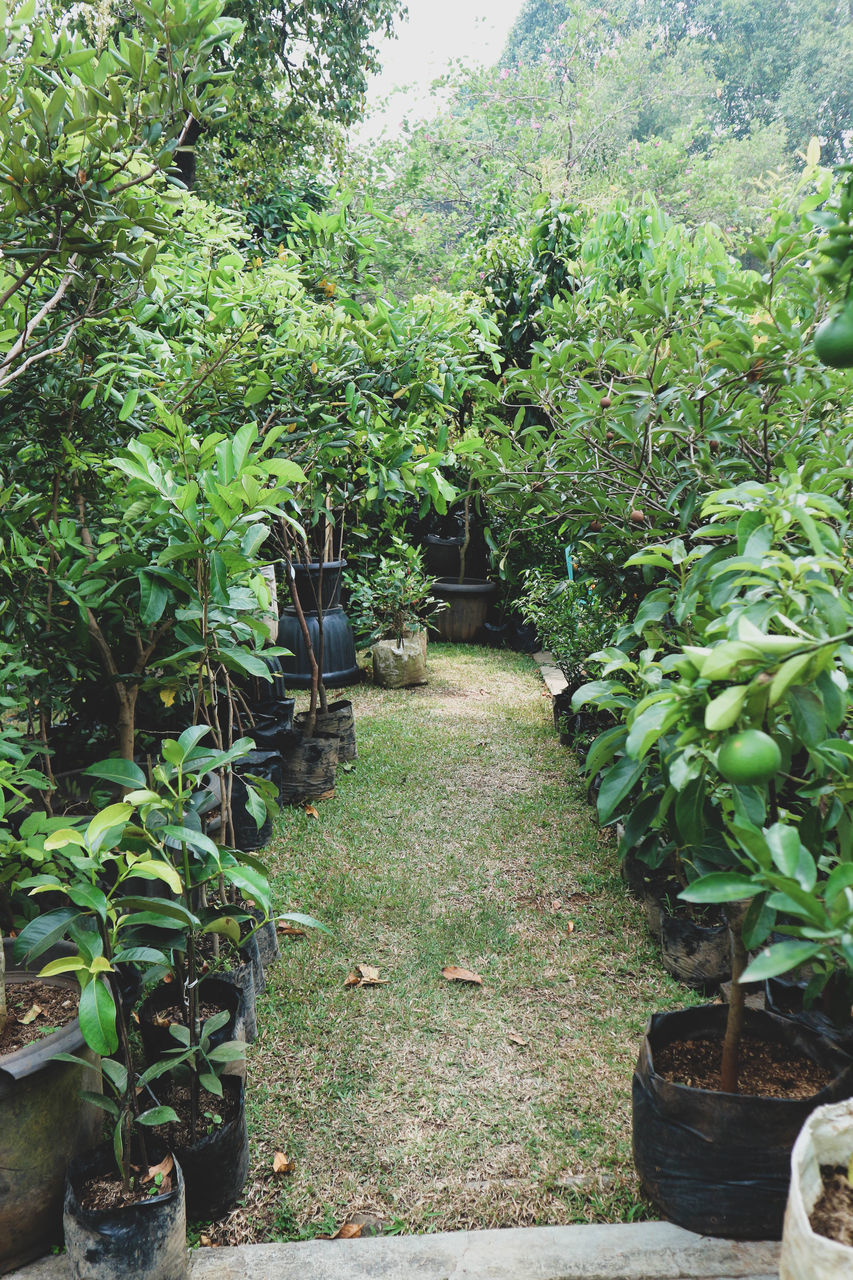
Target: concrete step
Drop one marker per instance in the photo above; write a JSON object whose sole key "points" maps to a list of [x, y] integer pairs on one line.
{"points": [[639, 1251]]}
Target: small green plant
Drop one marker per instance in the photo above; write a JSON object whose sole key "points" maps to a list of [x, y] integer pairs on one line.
{"points": [[393, 597], [573, 620]]}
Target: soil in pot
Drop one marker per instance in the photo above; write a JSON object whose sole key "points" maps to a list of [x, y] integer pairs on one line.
{"points": [[766, 1070], [832, 1215], [719, 1163], [36, 1009], [163, 1007]]}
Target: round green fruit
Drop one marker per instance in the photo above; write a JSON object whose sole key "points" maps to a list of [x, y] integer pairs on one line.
{"points": [[749, 757], [833, 342]]}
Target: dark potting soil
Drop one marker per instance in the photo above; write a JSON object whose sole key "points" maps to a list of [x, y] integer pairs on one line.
{"points": [[105, 1191], [55, 1006], [220, 1111], [832, 1215], [766, 1070], [175, 1013]]}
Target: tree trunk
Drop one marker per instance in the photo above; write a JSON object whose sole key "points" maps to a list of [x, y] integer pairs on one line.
{"points": [[309, 648], [730, 1065]]}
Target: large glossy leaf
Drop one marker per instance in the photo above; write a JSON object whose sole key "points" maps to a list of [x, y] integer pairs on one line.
{"points": [[97, 1015], [616, 785]]}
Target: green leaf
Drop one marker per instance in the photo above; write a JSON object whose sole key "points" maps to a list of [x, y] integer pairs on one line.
{"points": [[226, 927], [617, 783], [129, 404], [722, 711], [782, 957], [123, 772], [158, 1115], [721, 886], [787, 675], [115, 815], [153, 598], [97, 1015]]}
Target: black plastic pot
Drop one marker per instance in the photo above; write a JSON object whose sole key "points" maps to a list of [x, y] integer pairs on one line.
{"points": [[267, 940], [466, 605], [309, 768], [269, 731], [218, 991], [442, 555], [785, 997], [696, 954], [43, 1123], [336, 722], [248, 836], [718, 1163], [143, 1241], [495, 634], [308, 584], [340, 667], [216, 1166]]}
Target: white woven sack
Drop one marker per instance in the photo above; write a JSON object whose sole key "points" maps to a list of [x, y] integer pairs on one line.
{"points": [[825, 1138], [397, 665]]}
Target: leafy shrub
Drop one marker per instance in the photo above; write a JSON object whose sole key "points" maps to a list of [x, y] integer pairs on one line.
{"points": [[573, 620]]}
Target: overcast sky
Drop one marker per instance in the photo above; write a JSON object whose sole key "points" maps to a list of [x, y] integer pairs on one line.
{"points": [[435, 33]]}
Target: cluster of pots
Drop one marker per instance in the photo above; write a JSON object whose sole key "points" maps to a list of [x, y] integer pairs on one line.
{"points": [[716, 1163], [50, 1136]]}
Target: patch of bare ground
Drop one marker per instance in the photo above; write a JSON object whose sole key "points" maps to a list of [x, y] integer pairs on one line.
{"points": [[461, 837]]}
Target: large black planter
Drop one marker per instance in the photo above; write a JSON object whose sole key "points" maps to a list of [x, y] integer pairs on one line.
{"points": [[719, 1163], [143, 1241], [43, 1123], [340, 667], [466, 604]]}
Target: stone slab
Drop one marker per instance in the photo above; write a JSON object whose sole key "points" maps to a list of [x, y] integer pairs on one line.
{"points": [[638, 1251], [555, 681]]}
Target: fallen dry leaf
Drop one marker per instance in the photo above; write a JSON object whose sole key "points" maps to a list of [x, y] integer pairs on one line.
{"points": [[453, 973], [557, 904], [349, 1231], [290, 931], [515, 1038], [31, 1015], [364, 975], [570, 927], [281, 1164], [164, 1168], [205, 1241], [310, 811]]}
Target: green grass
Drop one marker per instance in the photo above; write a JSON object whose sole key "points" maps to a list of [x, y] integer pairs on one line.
{"points": [[462, 836]]}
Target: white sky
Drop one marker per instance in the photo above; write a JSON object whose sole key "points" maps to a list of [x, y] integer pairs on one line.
{"points": [[436, 33]]}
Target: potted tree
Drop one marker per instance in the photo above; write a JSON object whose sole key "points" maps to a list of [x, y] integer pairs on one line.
{"points": [[391, 605], [740, 697]]}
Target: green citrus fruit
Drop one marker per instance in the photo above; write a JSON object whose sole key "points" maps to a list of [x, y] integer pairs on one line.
{"points": [[833, 342], [750, 756]]}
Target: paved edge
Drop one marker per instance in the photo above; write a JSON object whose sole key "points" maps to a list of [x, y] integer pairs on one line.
{"points": [[555, 681], [638, 1251]]}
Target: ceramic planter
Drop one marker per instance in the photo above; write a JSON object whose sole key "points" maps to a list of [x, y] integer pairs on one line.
{"points": [[466, 605], [43, 1123]]}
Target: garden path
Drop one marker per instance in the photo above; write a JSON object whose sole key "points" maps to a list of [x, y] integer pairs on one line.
{"points": [[461, 836]]}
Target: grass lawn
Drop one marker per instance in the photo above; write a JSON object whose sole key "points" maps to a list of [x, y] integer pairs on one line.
{"points": [[460, 836]]}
